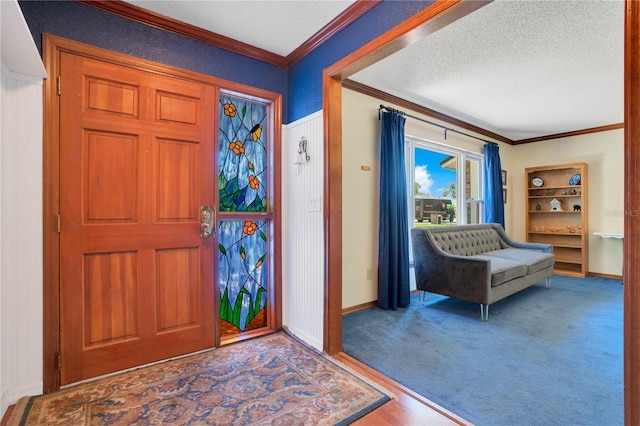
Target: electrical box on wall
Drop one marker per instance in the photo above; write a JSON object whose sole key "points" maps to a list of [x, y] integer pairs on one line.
{"points": [[315, 204]]}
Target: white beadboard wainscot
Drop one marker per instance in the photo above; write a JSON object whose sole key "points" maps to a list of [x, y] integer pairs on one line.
{"points": [[303, 231], [21, 248]]}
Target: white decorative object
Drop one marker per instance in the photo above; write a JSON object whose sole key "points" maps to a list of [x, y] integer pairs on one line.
{"points": [[555, 205]]}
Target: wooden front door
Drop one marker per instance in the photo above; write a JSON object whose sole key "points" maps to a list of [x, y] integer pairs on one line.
{"points": [[135, 163]]}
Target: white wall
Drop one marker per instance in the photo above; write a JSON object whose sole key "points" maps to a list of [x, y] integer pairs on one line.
{"points": [[303, 231], [360, 147]]}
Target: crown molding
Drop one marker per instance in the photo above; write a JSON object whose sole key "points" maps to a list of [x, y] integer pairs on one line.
{"points": [[367, 90], [156, 20], [573, 133], [378, 94], [346, 18]]}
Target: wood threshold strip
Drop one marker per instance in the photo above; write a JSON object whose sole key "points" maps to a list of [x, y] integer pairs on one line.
{"points": [[156, 20], [407, 407]]}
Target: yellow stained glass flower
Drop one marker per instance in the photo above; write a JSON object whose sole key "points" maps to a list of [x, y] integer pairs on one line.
{"points": [[230, 110], [237, 147], [254, 182], [249, 227]]}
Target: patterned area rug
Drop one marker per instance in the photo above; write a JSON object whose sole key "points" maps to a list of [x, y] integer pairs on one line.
{"points": [[269, 380]]}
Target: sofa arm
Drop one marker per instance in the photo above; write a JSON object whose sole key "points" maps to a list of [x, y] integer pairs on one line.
{"points": [[546, 248]]}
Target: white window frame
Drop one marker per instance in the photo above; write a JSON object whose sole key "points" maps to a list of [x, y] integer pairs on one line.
{"points": [[461, 155]]}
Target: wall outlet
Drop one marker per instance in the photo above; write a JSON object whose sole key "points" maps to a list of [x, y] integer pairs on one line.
{"points": [[315, 204], [369, 274]]}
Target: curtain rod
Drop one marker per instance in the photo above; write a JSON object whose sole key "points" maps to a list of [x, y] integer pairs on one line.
{"points": [[446, 129]]}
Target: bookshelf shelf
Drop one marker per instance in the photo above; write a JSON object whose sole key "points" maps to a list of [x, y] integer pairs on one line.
{"points": [[557, 214]]}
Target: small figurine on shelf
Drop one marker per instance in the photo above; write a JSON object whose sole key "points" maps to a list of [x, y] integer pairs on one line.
{"points": [[576, 207], [538, 207], [555, 205]]}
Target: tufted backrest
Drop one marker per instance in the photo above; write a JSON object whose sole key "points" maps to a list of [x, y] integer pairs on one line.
{"points": [[468, 242]]}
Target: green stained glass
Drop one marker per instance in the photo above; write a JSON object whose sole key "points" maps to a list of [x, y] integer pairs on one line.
{"points": [[242, 273], [242, 157]]}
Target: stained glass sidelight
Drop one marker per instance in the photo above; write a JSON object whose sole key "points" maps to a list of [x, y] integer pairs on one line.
{"points": [[242, 275], [242, 156]]}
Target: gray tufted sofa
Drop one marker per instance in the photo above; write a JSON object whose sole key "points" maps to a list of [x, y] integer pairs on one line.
{"points": [[477, 263]]}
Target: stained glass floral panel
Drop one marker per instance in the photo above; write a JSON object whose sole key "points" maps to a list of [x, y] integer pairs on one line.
{"points": [[242, 275], [242, 156]]}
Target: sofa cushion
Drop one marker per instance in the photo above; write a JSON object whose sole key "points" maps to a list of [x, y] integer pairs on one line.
{"points": [[535, 260], [503, 269], [468, 242]]}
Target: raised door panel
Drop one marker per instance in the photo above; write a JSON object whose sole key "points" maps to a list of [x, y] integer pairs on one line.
{"points": [[136, 278], [178, 288], [177, 180], [111, 96], [110, 293], [111, 170], [173, 107]]}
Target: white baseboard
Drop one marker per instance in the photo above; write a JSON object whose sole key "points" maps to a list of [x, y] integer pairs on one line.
{"points": [[305, 337]]}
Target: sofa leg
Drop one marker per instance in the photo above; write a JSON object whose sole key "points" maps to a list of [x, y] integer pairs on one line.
{"points": [[548, 285], [484, 312]]}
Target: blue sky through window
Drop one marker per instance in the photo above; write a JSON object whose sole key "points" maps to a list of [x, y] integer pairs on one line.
{"points": [[432, 178]]}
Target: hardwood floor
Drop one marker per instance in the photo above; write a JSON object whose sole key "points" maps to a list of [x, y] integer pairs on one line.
{"points": [[408, 408], [7, 414]]}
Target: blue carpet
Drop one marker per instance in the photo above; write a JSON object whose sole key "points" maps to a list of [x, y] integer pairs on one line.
{"points": [[545, 357]]}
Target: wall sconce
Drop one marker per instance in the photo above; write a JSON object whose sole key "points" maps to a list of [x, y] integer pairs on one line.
{"points": [[303, 157]]}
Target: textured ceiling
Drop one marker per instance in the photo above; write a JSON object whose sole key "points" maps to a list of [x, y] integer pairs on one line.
{"points": [[520, 69], [273, 25]]}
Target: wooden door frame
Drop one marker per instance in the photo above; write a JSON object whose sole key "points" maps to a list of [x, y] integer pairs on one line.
{"points": [[52, 47], [428, 21], [434, 17], [632, 222]]}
